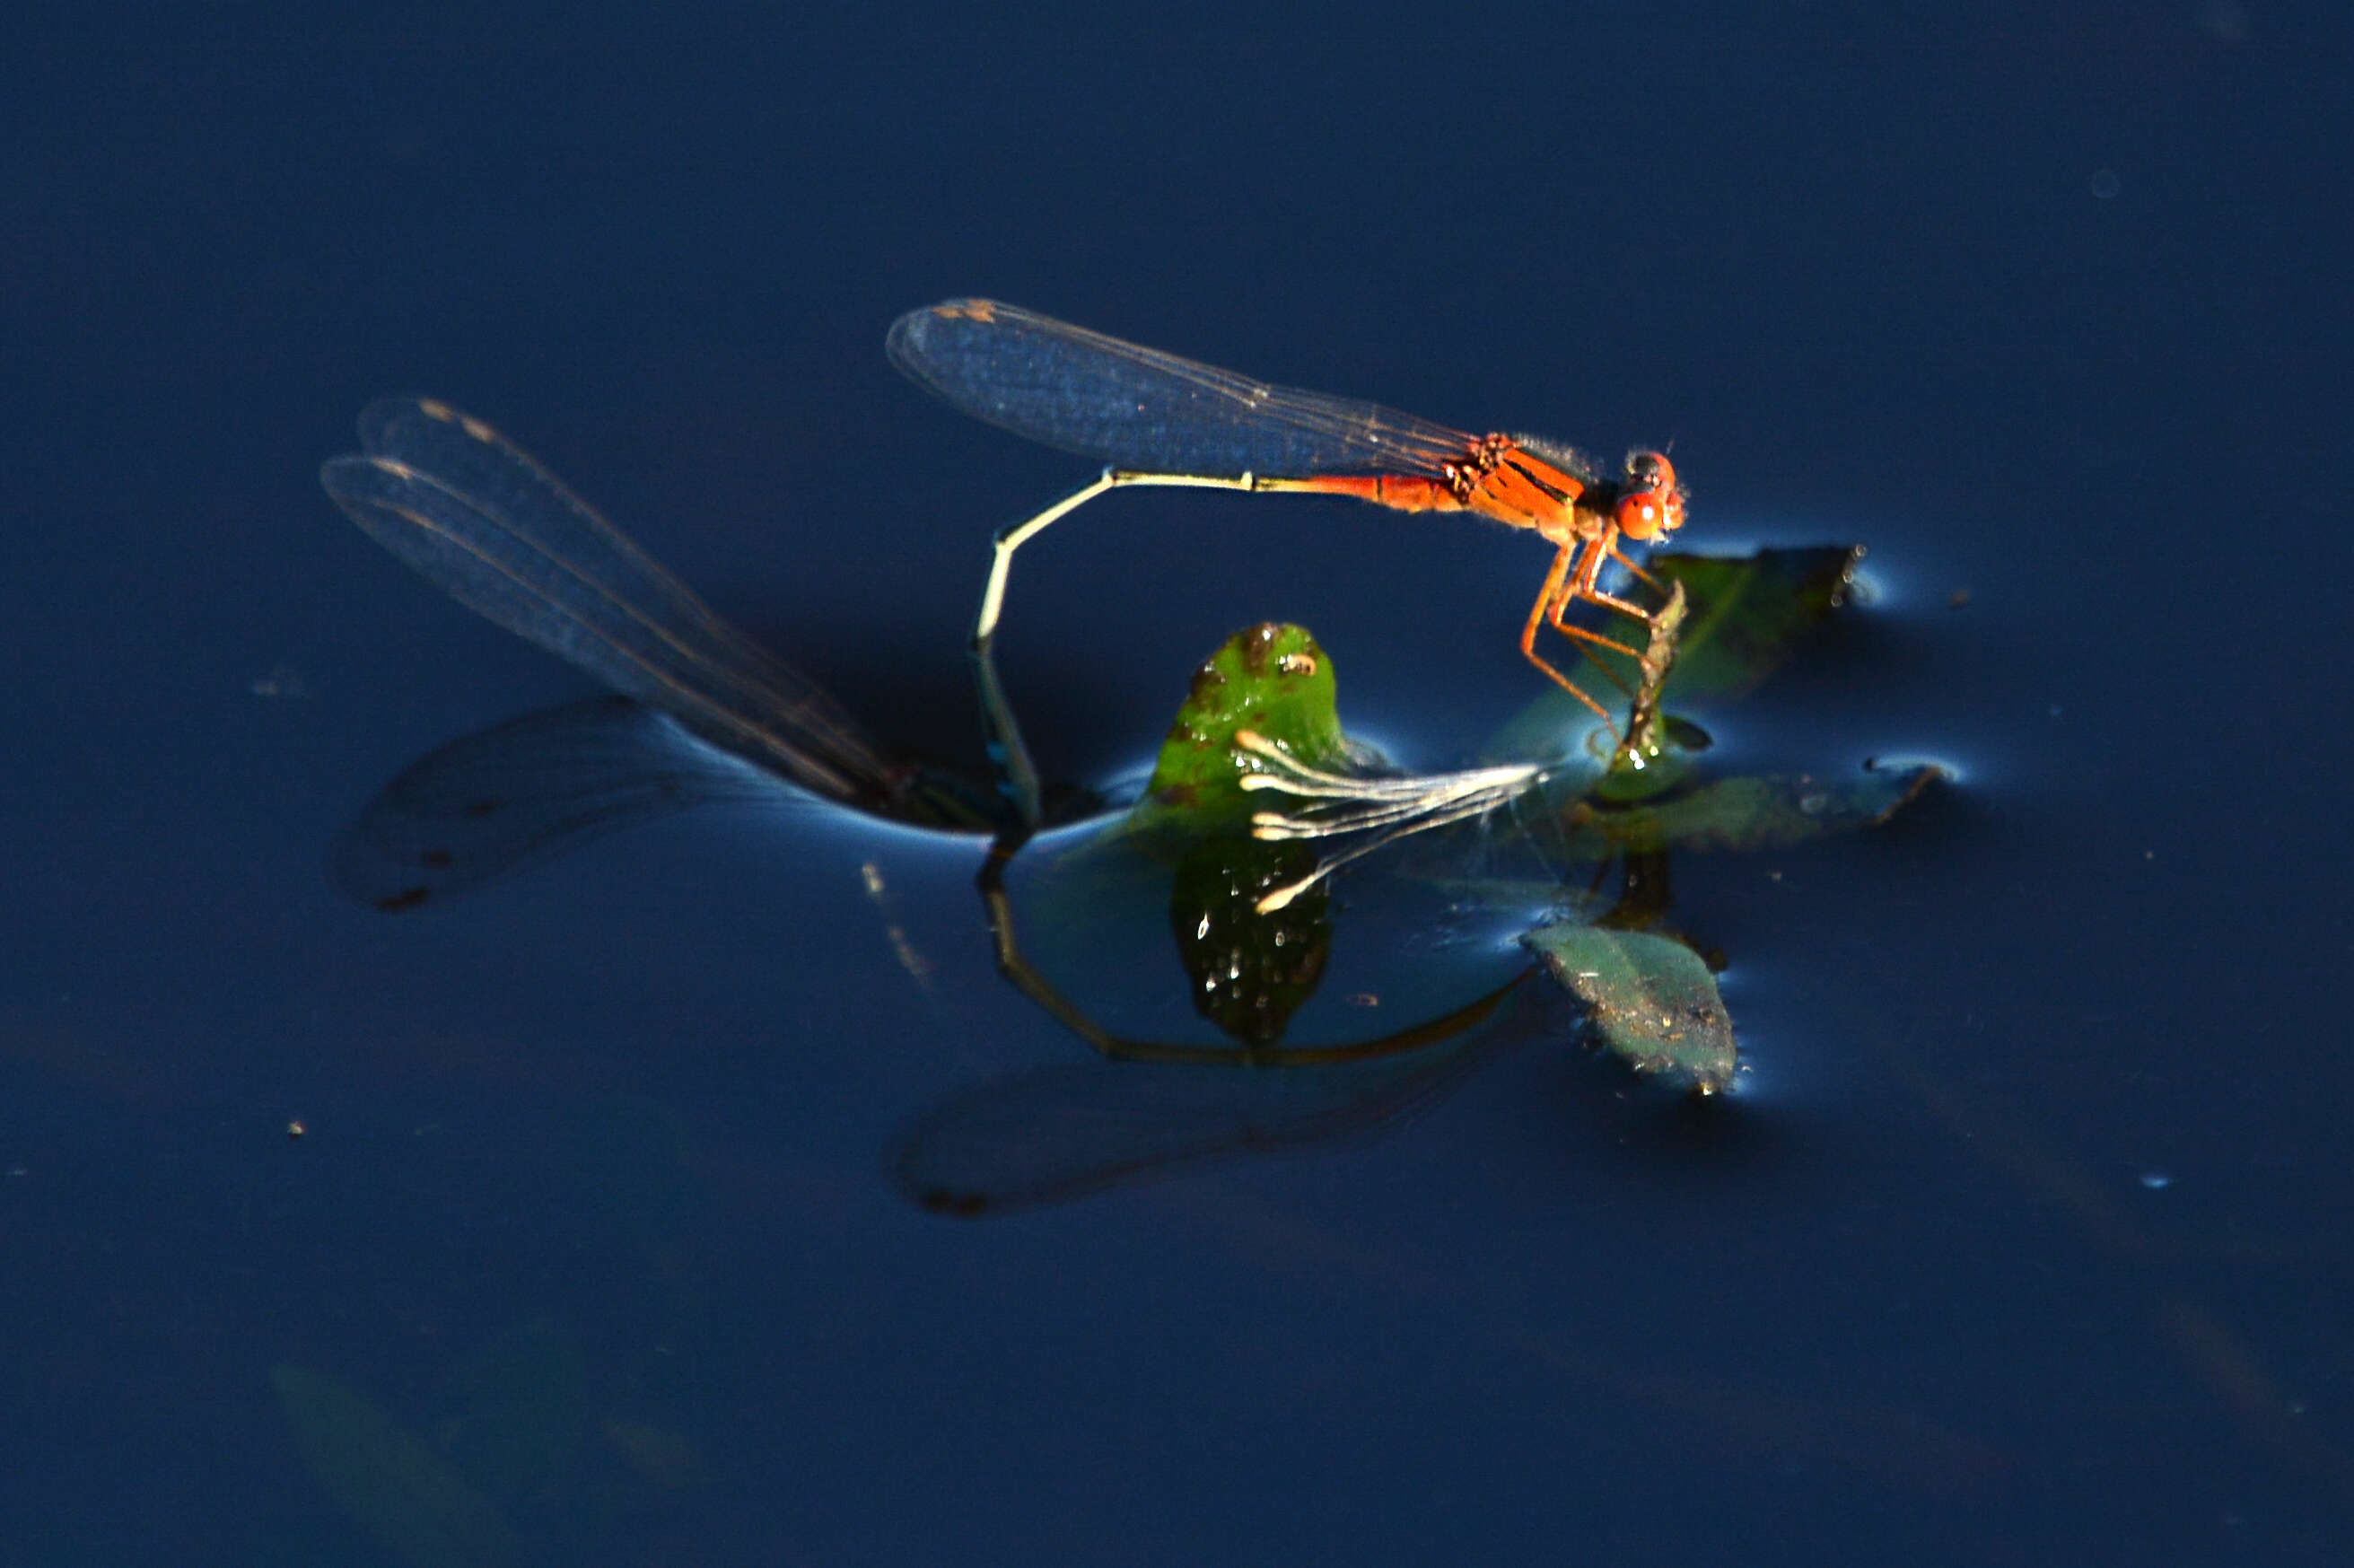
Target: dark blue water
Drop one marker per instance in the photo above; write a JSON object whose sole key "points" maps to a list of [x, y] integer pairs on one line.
{"points": [[2024, 1238]]}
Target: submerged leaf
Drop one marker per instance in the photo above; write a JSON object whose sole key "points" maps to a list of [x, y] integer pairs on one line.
{"points": [[1651, 1001], [1250, 970], [513, 1418], [395, 1483], [665, 1457]]}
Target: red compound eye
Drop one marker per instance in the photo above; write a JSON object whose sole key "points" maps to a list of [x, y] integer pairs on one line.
{"points": [[1639, 515], [1648, 506]]}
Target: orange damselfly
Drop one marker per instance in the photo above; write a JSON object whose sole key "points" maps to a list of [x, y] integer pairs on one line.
{"points": [[1159, 419]]}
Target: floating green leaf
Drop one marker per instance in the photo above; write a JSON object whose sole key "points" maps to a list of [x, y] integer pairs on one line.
{"points": [[1249, 973], [395, 1483], [1268, 679], [1773, 811], [1650, 1000], [1748, 613]]}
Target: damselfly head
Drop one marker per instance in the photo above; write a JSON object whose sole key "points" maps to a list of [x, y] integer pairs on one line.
{"points": [[1650, 503]]}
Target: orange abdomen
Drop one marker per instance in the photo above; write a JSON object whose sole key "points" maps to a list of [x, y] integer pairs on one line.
{"points": [[1497, 478], [1403, 493]]}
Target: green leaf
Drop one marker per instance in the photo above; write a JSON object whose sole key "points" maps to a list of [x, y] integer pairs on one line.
{"points": [[1773, 811], [1651, 1001], [1268, 679], [1748, 613], [1250, 970], [396, 1484]]}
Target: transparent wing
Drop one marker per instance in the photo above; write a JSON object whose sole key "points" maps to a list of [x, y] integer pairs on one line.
{"points": [[1137, 407], [502, 536]]}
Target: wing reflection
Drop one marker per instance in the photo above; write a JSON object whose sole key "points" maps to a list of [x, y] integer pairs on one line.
{"points": [[1057, 1133], [528, 790]]}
